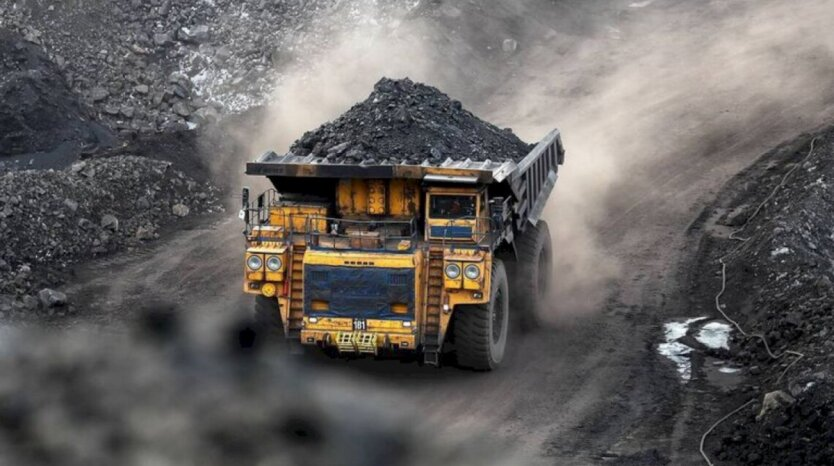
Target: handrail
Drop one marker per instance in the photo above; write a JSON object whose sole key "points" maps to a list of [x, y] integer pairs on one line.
{"points": [[487, 235], [337, 227]]}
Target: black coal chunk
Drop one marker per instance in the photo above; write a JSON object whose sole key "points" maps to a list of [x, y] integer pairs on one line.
{"points": [[407, 122]]}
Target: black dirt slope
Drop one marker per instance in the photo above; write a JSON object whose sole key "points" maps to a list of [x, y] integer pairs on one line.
{"points": [[38, 112], [779, 284], [407, 122]]}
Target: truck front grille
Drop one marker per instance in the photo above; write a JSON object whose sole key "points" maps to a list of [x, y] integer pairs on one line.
{"points": [[363, 292]]}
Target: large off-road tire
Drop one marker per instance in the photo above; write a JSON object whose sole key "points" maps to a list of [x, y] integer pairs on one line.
{"points": [[532, 276], [480, 331]]}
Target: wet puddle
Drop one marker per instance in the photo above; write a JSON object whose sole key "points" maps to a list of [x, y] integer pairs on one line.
{"points": [[721, 374], [710, 333], [676, 351], [715, 335]]}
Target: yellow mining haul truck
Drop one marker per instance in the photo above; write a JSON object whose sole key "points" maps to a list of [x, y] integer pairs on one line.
{"points": [[419, 259]]}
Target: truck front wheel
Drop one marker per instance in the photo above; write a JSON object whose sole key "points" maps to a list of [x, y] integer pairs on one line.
{"points": [[268, 318], [480, 331]]}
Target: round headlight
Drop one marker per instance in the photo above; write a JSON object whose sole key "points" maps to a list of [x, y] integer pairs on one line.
{"points": [[254, 262], [273, 263], [472, 271], [453, 271]]}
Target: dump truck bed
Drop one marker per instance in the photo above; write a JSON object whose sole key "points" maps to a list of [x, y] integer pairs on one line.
{"points": [[531, 179]]}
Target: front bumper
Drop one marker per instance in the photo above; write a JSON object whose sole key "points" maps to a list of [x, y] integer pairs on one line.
{"points": [[379, 335]]}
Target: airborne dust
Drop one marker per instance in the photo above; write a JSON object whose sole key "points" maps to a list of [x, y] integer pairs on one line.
{"points": [[630, 85]]}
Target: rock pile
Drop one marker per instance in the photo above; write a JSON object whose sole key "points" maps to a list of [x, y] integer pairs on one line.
{"points": [[38, 112], [51, 219], [158, 395], [406, 122], [162, 63], [780, 285]]}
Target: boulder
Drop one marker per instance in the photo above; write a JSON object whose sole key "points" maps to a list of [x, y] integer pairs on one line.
{"points": [[773, 401], [51, 298], [110, 222], [180, 210], [70, 204], [98, 94], [145, 233], [196, 35]]}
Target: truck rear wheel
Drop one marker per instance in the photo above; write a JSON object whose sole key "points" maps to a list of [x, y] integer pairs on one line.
{"points": [[532, 275], [481, 330]]}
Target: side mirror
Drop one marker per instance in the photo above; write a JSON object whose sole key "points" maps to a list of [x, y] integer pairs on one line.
{"points": [[244, 211], [245, 197]]}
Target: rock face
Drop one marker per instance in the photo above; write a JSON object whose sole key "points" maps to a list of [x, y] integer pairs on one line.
{"points": [[779, 286], [406, 122], [121, 53]]}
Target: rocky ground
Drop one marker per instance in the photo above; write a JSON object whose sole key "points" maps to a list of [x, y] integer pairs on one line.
{"points": [[162, 63], [407, 122], [779, 285], [53, 219]]}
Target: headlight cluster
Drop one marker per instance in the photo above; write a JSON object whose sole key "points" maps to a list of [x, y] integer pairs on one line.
{"points": [[273, 263], [472, 271], [453, 271], [254, 263]]}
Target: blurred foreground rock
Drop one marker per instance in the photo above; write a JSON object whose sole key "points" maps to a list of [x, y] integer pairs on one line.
{"points": [[164, 395]]}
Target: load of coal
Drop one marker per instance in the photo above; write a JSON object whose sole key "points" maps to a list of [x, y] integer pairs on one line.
{"points": [[40, 117], [403, 122]]}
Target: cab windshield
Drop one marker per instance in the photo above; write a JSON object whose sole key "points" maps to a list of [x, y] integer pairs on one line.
{"points": [[452, 207]]}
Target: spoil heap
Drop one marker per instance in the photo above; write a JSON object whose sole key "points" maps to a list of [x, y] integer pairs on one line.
{"points": [[407, 122], [51, 219], [38, 112], [158, 64], [779, 284]]}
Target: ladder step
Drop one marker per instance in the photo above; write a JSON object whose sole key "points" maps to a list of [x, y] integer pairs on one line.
{"points": [[431, 358]]}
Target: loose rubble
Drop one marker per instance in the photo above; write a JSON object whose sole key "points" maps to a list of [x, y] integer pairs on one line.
{"points": [[160, 394], [780, 285], [51, 219], [160, 64], [407, 122]]}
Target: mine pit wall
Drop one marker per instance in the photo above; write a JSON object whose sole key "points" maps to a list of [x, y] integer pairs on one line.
{"points": [[779, 284]]}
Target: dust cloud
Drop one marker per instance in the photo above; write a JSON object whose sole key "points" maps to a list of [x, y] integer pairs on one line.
{"points": [[634, 87]]}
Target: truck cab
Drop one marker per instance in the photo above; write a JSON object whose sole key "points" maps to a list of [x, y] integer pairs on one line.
{"points": [[394, 259]]}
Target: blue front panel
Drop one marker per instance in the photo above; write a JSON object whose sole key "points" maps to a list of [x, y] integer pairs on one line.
{"points": [[358, 292], [456, 232]]}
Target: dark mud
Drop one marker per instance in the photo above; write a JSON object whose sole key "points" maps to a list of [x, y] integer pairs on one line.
{"points": [[779, 285], [41, 118]]}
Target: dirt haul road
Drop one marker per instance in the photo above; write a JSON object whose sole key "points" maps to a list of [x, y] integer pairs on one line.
{"points": [[591, 389]]}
